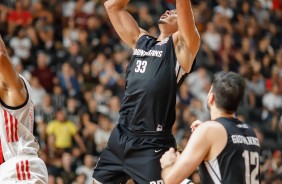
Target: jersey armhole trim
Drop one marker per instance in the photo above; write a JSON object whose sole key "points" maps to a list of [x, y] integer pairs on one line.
{"points": [[20, 106]]}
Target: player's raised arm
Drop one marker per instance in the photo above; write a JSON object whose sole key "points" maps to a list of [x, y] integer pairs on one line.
{"points": [[12, 90], [187, 39], [123, 22]]}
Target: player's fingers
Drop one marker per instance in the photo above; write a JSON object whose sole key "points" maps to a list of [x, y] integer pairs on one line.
{"points": [[195, 124], [171, 150]]}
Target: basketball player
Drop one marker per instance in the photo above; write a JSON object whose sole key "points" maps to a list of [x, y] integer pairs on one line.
{"points": [[19, 162], [226, 149], [156, 70]]}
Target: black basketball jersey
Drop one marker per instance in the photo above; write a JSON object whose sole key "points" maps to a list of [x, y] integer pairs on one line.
{"points": [[238, 163], [152, 77]]}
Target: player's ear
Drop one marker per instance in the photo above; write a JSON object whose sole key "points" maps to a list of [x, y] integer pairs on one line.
{"points": [[211, 98]]}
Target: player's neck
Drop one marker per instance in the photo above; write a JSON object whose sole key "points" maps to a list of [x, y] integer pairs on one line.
{"points": [[220, 114], [163, 36]]}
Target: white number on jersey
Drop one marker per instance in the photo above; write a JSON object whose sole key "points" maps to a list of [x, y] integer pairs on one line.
{"points": [[251, 158], [140, 66]]}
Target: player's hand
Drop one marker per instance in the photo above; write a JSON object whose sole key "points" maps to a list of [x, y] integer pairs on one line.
{"points": [[195, 124], [169, 158]]}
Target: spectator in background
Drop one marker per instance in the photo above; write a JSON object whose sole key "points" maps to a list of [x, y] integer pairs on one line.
{"points": [[74, 58], [20, 69], [114, 107], [223, 8], [58, 97], [44, 72], [60, 133], [18, 17], [67, 173], [272, 102], [68, 81], [86, 169], [212, 38], [73, 110], [44, 113], [21, 45], [103, 132], [70, 33], [38, 92]]}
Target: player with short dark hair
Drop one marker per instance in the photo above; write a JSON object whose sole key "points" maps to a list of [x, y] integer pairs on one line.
{"points": [[19, 161], [226, 149], [156, 70]]}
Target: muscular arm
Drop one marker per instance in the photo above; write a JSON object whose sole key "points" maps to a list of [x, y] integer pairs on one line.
{"points": [[203, 145], [12, 90], [187, 39], [123, 22]]}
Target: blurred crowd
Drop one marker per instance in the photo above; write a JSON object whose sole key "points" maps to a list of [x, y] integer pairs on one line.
{"points": [[76, 63]]}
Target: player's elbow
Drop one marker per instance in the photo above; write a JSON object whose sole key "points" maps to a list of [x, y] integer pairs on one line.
{"points": [[2, 52]]}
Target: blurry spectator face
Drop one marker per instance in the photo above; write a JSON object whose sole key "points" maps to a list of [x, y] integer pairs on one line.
{"points": [[41, 60], [81, 179], [61, 115], [93, 23], [74, 48], [57, 90], [47, 99], [92, 104], [37, 6], [66, 159], [266, 60], [227, 40], [18, 5], [82, 36], [275, 89], [21, 33], [105, 123], [245, 42], [223, 3], [88, 161], [71, 23], [245, 7], [263, 44], [211, 27], [114, 103], [66, 69], [72, 103], [35, 82]]}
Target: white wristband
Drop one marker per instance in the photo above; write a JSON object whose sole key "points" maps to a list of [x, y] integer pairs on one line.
{"points": [[186, 181]]}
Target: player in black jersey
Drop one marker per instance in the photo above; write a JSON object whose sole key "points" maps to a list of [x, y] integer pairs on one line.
{"points": [[157, 68], [226, 149]]}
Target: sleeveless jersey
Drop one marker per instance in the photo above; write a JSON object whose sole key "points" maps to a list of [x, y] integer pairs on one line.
{"points": [[16, 128], [152, 78], [239, 160]]}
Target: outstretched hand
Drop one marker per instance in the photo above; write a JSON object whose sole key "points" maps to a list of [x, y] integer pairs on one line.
{"points": [[169, 158]]}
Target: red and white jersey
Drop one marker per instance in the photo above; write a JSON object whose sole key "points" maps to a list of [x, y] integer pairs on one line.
{"points": [[16, 129]]}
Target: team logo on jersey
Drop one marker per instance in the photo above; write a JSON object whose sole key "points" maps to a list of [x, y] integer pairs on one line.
{"points": [[153, 53], [164, 41]]}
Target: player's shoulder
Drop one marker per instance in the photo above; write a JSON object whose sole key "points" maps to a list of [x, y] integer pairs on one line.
{"points": [[210, 127]]}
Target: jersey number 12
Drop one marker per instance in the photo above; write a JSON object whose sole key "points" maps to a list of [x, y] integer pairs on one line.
{"points": [[251, 158]]}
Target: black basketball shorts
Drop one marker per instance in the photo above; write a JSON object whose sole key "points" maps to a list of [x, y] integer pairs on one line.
{"points": [[133, 155]]}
